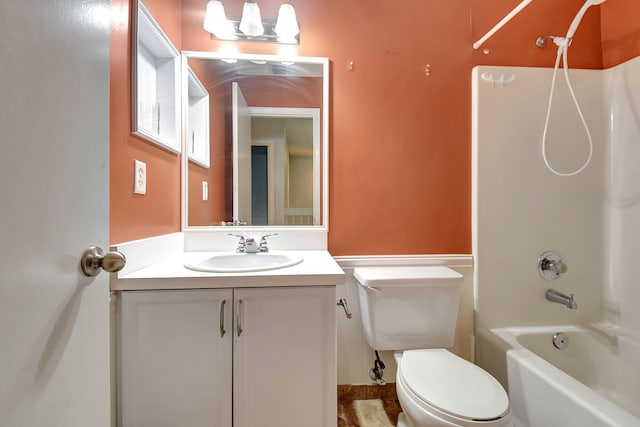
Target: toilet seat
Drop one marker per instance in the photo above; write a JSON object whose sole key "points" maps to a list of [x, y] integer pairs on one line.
{"points": [[452, 385]]}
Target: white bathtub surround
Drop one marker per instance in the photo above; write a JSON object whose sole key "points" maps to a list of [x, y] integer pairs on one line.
{"points": [[591, 383], [355, 357], [622, 197], [520, 210]]}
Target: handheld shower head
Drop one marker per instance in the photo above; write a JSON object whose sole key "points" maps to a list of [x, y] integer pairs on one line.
{"points": [[578, 18]]}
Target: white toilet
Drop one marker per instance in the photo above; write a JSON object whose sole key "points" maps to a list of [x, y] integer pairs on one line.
{"points": [[413, 310]]}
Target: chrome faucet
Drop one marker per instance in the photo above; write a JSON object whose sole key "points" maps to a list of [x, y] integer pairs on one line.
{"points": [[555, 296], [264, 247], [249, 245]]}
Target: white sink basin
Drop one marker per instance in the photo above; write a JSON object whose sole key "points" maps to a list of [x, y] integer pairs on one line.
{"points": [[241, 263]]}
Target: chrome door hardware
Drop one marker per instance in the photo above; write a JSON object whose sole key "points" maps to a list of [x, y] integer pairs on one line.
{"points": [[551, 265], [343, 303], [222, 331], [239, 318], [94, 260]]}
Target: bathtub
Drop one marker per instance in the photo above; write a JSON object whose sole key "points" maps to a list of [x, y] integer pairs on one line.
{"points": [[593, 382]]}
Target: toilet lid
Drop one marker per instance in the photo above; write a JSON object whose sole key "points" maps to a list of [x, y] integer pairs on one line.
{"points": [[453, 385]]}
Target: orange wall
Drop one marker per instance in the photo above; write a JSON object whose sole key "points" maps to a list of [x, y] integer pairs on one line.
{"points": [[134, 216], [400, 169], [620, 31]]}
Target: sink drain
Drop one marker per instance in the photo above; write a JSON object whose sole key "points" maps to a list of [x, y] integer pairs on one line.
{"points": [[560, 341]]}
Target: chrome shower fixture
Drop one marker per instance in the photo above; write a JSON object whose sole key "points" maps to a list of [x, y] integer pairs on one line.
{"points": [[563, 44], [566, 40], [542, 41]]}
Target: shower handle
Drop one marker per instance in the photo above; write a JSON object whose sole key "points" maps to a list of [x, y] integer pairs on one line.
{"points": [[551, 265]]}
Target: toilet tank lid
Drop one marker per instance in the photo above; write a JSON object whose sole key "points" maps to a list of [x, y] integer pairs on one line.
{"points": [[406, 275]]}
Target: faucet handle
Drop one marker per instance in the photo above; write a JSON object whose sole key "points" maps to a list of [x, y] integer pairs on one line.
{"points": [[263, 242], [241, 243], [557, 266], [551, 265]]}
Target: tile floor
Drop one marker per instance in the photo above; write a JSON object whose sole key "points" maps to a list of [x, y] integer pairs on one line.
{"points": [[368, 406]]}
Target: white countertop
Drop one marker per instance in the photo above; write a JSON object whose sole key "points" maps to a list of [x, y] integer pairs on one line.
{"points": [[318, 268]]}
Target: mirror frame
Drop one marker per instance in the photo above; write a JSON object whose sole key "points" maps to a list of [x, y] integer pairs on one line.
{"points": [[324, 140]]}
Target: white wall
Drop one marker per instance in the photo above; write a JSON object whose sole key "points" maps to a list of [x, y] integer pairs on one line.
{"points": [[521, 209], [622, 198], [355, 357], [301, 182]]}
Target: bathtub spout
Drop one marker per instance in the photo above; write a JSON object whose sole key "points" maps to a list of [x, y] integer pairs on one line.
{"points": [[560, 298]]}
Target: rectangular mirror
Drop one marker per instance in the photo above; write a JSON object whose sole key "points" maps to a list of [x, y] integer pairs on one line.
{"points": [[265, 133]]}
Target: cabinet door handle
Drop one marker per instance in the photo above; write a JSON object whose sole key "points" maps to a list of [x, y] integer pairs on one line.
{"points": [[222, 331], [239, 318]]}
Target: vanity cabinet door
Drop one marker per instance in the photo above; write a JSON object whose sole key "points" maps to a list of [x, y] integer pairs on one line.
{"points": [[284, 357], [175, 360]]}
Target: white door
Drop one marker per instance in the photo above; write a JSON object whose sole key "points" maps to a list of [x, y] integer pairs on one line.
{"points": [[54, 192], [241, 155]]}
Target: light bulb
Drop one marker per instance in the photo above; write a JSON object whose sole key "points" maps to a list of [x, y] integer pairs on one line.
{"points": [[287, 25], [251, 22], [215, 21]]}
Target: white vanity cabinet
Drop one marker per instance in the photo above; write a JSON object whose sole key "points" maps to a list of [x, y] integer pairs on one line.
{"points": [[174, 362], [275, 364], [285, 358]]}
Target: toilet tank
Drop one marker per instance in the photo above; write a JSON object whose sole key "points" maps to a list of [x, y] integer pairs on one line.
{"points": [[408, 307]]}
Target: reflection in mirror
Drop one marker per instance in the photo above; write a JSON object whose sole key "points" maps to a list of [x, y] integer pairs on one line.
{"points": [[266, 140]]}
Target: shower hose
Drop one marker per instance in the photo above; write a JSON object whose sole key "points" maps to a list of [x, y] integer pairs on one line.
{"points": [[563, 47]]}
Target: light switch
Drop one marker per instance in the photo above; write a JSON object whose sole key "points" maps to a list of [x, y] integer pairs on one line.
{"points": [[140, 177], [205, 191]]}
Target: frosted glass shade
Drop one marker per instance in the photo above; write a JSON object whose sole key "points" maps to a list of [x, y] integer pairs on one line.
{"points": [[287, 25], [215, 21], [251, 22]]}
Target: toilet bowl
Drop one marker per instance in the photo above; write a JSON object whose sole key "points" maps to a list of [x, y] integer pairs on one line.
{"points": [[438, 388], [413, 311]]}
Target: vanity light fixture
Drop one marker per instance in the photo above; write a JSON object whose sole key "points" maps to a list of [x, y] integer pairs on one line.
{"points": [[250, 26]]}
